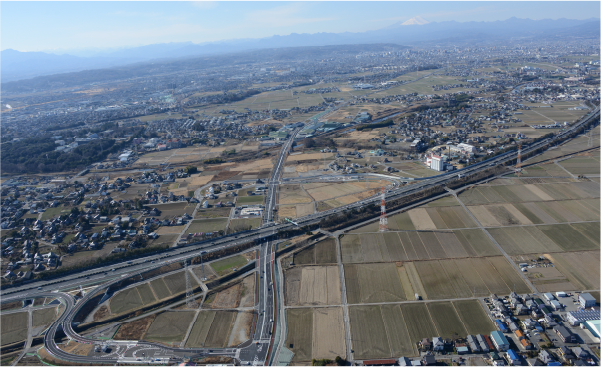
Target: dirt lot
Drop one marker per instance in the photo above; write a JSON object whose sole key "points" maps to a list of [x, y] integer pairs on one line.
{"points": [[241, 328], [229, 297]]}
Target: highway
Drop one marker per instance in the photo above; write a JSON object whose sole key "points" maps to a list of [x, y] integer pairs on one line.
{"points": [[258, 350]]}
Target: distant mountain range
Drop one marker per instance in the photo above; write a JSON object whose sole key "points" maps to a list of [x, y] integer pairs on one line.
{"points": [[23, 65]]}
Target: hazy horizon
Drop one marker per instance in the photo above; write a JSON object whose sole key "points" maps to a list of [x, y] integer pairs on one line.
{"points": [[64, 27]]}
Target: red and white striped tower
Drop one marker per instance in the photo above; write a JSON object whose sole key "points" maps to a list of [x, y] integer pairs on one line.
{"points": [[383, 220]]}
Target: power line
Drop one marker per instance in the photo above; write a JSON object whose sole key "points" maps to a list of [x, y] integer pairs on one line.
{"points": [[190, 302], [383, 220]]}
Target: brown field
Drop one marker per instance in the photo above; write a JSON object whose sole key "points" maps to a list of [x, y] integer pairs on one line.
{"points": [[320, 285], [134, 330], [368, 333], [13, 327], [419, 322], [293, 194], [422, 245], [229, 297], [169, 327], [328, 333], [200, 329], [580, 268], [370, 283], [421, 220], [474, 318], [44, 316], [218, 335], [549, 279], [445, 279], [247, 297], [523, 240], [445, 318]]}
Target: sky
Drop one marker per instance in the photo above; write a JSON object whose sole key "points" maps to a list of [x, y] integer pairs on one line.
{"points": [[74, 26]]}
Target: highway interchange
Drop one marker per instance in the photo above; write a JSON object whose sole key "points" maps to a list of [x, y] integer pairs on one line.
{"points": [[258, 350]]}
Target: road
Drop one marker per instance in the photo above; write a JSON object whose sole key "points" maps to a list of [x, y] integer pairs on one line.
{"points": [[258, 351]]}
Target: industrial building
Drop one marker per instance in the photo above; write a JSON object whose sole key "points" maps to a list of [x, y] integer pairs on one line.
{"points": [[499, 341], [586, 300], [575, 318]]}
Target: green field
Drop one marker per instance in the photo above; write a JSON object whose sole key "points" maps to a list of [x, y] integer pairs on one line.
{"points": [[323, 252], [207, 225], [53, 212], [126, 300], [244, 224], [249, 200], [13, 327], [300, 333], [169, 327], [225, 266]]}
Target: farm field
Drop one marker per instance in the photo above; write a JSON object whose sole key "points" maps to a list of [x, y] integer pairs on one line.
{"points": [[13, 327], [415, 245], [323, 191], [323, 252], [445, 279], [561, 211], [371, 283], [582, 165], [312, 285], [299, 338], [580, 268], [382, 331], [437, 216], [207, 225], [547, 279], [147, 293], [529, 192], [169, 327], [212, 329]]}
